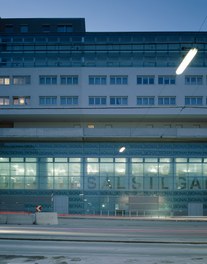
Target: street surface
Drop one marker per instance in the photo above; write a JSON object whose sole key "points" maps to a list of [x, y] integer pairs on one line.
{"points": [[92, 252], [105, 241], [112, 231]]}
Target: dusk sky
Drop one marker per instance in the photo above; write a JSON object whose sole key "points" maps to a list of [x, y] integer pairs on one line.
{"points": [[117, 15]]}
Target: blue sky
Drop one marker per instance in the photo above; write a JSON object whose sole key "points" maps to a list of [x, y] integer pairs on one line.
{"points": [[117, 15]]}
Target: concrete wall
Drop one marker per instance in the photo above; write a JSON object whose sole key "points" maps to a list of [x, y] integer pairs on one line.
{"points": [[46, 218], [83, 90], [18, 219], [79, 133], [50, 218]]}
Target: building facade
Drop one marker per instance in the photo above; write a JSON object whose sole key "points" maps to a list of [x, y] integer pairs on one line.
{"points": [[70, 99]]}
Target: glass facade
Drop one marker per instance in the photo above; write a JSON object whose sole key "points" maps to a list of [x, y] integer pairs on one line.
{"points": [[175, 173], [135, 49], [104, 173]]}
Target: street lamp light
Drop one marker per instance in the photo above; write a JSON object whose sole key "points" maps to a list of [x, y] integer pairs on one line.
{"points": [[186, 61], [122, 149]]}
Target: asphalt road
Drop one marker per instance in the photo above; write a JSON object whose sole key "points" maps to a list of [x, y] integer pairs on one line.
{"points": [[111, 231], [105, 241], [63, 252]]}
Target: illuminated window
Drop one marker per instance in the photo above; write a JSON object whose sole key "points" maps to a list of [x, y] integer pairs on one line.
{"points": [[4, 100], [21, 100], [91, 126], [21, 80], [4, 80]]}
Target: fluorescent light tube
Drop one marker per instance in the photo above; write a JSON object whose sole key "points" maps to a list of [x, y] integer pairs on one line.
{"points": [[185, 62]]}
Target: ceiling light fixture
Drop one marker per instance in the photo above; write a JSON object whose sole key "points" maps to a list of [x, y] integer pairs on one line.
{"points": [[186, 61]]}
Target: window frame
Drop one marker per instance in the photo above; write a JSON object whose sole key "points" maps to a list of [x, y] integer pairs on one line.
{"points": [[198, 80], [166, 79], [69, 80], [5, 80], [118, 100], [48, 80], [147, 102], [73, 99], [93, 100], [64, 28], [24, 28], [21, 79], [167, 100], [192, 99], [145, 79], [21, 100], [118, 80], [47, 100], [4, 100], [97, 79]]}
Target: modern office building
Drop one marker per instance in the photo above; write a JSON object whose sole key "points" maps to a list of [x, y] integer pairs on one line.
{"points": [[71, 99]]}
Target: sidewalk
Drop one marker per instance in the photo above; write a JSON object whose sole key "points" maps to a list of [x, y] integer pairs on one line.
{"points": [[4, 215], [137, 218]]}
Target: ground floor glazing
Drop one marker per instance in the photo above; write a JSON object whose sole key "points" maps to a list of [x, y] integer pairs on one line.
{"points": [[95, 178]]}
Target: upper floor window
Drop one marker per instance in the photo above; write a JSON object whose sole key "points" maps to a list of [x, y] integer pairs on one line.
{"points": [[4, 80], [45, 28], [69, 80], [167, 100], [48, 80], [166, 79], [9, 29], [4, 100], [64, 28], [21, 100], [21, 80], [69, 100], [193, 100], [91, 125], [48, 100], [97, 100], [24, 28], [97, 80], [194, 80], [144, 100], [145, 79], [119, 79], [118, 100]]}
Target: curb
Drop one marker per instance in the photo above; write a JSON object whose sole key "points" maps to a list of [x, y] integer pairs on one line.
{"points": [[105, 241]]}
